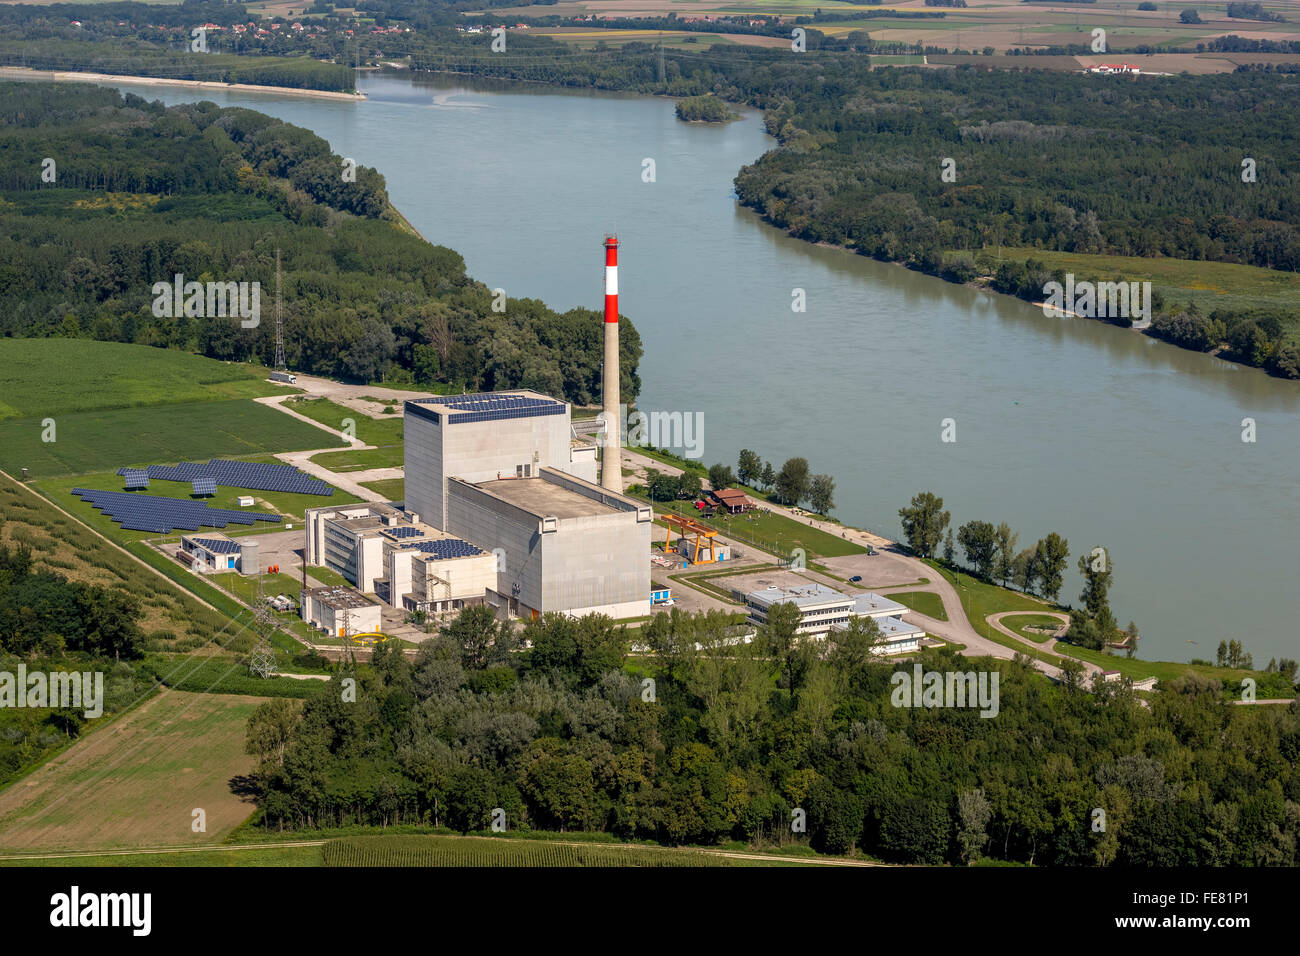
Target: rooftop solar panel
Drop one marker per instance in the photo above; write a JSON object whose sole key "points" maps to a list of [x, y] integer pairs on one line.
{"points": [[218, 545]]}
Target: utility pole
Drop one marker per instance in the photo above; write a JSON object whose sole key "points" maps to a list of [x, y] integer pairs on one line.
{"points": [[279, 325], [262, 661]]}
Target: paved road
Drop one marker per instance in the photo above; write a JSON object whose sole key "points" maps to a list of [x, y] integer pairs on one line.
{"points": [[957, 628]]}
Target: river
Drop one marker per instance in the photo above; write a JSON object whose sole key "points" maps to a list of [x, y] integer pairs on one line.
{"points": [[1104, 435]]}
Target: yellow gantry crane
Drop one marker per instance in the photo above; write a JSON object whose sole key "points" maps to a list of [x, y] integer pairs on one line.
{"points": [[703, 540]]}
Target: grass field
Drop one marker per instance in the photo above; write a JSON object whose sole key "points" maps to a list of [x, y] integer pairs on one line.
{"points": [[981, 599], [1211, 285], [106, 439], [42, 377], [327, 576], [922, 602], [362, 459], [393, 489], [1020, 624], [372, 431], [769, 531], [137, 781]]}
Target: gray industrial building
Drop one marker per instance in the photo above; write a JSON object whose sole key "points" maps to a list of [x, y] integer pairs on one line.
{"points": [[562, 543], [484, 437]]}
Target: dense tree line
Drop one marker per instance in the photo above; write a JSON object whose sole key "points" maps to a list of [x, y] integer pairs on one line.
{"points": [[143, 192], [724, 740], [44, 613]]}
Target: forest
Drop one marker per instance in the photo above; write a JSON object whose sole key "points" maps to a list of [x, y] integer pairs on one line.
{"points": [[141, 192], [715, 740]]}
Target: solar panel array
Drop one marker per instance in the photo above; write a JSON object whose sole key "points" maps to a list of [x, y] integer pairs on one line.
{"points": [[243, 474], [164, 515], [404, 531], [204, 486], [134, 477], [448, 548], [218, 545], [488, 407]]}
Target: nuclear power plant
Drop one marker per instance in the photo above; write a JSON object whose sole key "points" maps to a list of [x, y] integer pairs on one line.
{"points": [[502, 506]]}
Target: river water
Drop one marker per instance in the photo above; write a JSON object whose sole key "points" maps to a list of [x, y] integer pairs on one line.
{"points": [[1104, 435]]}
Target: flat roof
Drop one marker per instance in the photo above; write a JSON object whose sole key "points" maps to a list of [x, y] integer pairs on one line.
{"points": [[339, 598], [869, 602], [804, 595], [485, 406], [892, 628], [543, 498]]}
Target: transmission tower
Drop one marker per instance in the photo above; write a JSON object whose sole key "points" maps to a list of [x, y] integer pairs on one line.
{"points": [[279, 318], [262, 661], [661, 60]]}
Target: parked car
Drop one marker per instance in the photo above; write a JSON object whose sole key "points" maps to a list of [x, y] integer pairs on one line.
{"points": [[855, 579]]}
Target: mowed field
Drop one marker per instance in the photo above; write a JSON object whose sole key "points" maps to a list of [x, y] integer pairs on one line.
{"points": [[107, 404], [137, 781]]}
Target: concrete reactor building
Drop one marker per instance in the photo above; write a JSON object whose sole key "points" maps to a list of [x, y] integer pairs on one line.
{"points": [[501, 506], [505, 471]]}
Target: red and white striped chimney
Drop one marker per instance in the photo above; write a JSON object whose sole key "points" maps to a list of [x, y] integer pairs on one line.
{"points": [[611, 466]]}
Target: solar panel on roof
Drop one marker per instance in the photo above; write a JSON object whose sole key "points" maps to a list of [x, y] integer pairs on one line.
{"points": [[218, 546], [448, 548]]}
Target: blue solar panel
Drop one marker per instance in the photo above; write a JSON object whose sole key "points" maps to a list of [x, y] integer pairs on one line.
{"points": [[448, 548], [242, 474], [218, 546], [487, 406], [204, 486], [163, 515], [405, 531]]}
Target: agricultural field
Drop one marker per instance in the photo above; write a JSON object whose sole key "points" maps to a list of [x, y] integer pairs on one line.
{"points": [[109, 438], [1001, 24], [435, 851], [140, 406], [40, 377], [269, 855], [143, 774]]}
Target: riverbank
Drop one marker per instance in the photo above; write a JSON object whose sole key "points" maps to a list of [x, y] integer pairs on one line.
{"points": [[63, 76]]}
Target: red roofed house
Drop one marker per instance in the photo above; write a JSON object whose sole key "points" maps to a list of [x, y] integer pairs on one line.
{"points": [[733, 501]]}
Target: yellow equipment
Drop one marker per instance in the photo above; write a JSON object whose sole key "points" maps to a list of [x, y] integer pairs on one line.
{"points": [[703, 540]]}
